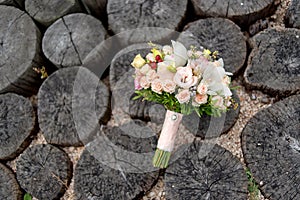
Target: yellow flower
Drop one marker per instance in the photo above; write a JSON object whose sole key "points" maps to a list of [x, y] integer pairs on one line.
{"points": [[138, 61], [156, 52], [206, 53]]}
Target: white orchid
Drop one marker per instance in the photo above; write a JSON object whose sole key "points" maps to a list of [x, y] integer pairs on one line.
{"points": [[179, 56]]}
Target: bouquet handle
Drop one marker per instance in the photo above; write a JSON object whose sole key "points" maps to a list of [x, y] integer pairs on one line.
{"points": [[167, 139]]}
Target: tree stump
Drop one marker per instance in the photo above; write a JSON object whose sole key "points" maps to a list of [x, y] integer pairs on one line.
{"points": [[292, 16], [20, 52], [96, 7], [17, 124], [206, 121], [122, 82], [273, 66], [44, 171], [206, 171], [17, 3], [220, 35], [70, 39], [242, 12], [105, 169], [70, 104], [141, 21], [270, 143], [10, 188], [46, 12]]}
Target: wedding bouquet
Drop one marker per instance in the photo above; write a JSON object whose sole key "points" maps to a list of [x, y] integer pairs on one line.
{"points": [[183, 81]]}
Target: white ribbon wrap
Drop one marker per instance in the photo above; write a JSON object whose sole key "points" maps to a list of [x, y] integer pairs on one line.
{"points": [[169, 131]]}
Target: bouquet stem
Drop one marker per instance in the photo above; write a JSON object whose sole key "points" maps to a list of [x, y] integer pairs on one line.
{"points": [[167, 139]]}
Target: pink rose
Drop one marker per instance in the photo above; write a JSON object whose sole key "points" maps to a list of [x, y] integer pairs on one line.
{"points": [[184, 77], [144, 82], [137, 85], [169, 86], [202, 89], [156, 86], [200, 99], [183, 96]]}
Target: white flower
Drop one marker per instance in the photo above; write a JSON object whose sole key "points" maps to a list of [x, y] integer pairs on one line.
{"points": [[156, 86], [179, 57], [169, 86], [144, 83], [144, 70], [184, 77], [150, 57], [163, 72], [151, 75], [167, 50], [183, 96]]}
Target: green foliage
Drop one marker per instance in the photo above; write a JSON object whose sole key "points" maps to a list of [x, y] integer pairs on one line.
{"points": [[252, 186], [27, 197], [171, 103]]}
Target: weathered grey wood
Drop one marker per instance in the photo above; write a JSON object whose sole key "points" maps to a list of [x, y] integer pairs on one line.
{"points": [[271, 147], [274, 63], [17, 3], [20, 52], [243, 12], [231, 117], [17, 124], [46, 12], [96, 7], [217, 34], [216, 175], [164, 15], [44, 171], [97, 179], [10, 188], [70, 103], [292, 16], [68, 41]]}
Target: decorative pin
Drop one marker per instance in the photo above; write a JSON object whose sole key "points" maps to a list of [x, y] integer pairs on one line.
{"points": [[174, 117]]}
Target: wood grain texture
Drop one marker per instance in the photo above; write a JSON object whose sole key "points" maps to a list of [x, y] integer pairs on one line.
{"points": [[46, 12], [271, 147], [292, 16], [66, 115], [96, 179], [20, 52], [10, 188], [244, 12], [127, 16], [216, 175], [17, 124], [274, 63], [44, 171], [217, 34], [70, 39]]}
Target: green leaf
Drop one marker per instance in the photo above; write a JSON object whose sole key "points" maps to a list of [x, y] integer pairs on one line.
{"points": [[27, 197]]}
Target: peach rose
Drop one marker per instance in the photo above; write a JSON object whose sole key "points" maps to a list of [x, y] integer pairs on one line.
{"points": [[156, 86], [169, 86], [202, 89], [151, 75], [144, 70], [144, 82], [218, 102], [183, 96], [200, 99]]}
